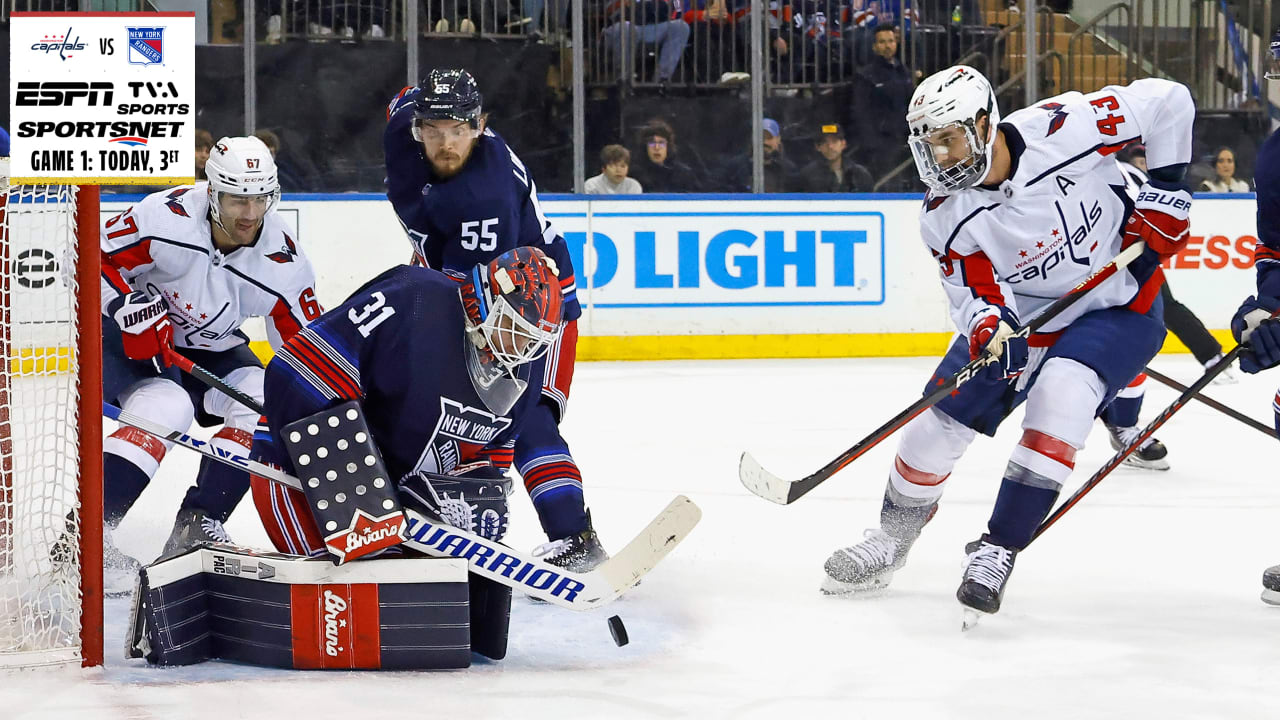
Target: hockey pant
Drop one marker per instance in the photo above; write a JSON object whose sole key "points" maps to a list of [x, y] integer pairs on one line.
{"points": [[1071, 377], [172, 399]]}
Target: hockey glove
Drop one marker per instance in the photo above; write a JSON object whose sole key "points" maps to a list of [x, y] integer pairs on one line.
{"points": [[993, 333], [144, 326], [1253, 324], [1161, 217], [475, 504]]}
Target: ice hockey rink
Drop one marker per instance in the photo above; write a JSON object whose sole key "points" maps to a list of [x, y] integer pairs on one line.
{"points": [[1141, 603]]}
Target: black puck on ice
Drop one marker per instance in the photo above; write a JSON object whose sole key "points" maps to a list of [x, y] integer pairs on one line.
{"points": [[618, 631]]}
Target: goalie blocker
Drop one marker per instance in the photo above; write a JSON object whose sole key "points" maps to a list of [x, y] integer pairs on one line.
{"points": [[271, 609]]}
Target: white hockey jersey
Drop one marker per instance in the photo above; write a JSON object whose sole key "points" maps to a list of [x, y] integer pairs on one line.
{"points": [[1059, 216], [163, 245]]}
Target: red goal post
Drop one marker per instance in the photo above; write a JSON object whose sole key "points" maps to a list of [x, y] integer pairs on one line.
{"points": [[50, 425]]}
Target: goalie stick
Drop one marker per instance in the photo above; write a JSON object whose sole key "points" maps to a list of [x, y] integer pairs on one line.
{"points": [[784, 492], [490, 559]]}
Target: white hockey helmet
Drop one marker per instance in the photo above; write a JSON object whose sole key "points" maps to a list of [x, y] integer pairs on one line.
{"points": [[241, 166], [952, 100]]}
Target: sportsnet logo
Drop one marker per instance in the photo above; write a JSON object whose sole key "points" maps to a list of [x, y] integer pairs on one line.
{"points": [[366, 534], [146, 45], [130, 141]]}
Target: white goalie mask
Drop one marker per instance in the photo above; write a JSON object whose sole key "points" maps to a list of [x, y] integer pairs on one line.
{"points": [[241, 166], [942, 128]]}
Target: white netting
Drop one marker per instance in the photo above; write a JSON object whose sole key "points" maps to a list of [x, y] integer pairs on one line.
{"points": [[40, 600]]}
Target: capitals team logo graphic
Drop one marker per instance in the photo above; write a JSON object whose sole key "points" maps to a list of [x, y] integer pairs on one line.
{"points": [[146, 45], [61, 43], [1057, 118], [286, 253]]}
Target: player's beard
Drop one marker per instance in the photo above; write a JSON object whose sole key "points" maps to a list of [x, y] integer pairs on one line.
{"points": [[447, 162]]}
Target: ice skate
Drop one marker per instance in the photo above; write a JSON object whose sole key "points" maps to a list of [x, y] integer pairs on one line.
{"points": [[1150, 455], [1271, 585], [192, 528], [986, 571], [869, 565], [577, 553]]}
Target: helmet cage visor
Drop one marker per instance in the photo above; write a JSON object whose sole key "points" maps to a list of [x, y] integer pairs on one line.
{"points": [[512, 339], [423, 132], [949, 157], [272, 199]]}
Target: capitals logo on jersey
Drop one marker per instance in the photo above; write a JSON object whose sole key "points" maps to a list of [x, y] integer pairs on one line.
{"points": [[286, 253], [1057, 118]]}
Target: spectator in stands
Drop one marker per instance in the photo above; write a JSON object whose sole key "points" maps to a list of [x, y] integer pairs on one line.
{"points": [[658, 169], [1135, 154], [1224, 180], [289, 181], [204, 142], [613, 180], [721, 32], [836, 170], [656, 23], [881, 91], [779, 172]]}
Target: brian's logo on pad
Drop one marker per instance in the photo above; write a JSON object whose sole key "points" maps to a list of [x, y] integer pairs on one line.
{"points": [[366, 535], [335, 619]]}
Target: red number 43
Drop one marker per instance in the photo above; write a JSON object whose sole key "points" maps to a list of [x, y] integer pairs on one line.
{"points": [[1108, 124]]}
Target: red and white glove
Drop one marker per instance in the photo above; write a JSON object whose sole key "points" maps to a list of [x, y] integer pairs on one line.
{"points": [[144, 326], [1161, 218], [995, 333]]}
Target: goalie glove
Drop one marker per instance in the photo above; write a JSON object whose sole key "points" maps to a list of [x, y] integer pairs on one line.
{"points": [[1254, 325], [144, 327], [1161, 217], [474, 500], [993, 332]]}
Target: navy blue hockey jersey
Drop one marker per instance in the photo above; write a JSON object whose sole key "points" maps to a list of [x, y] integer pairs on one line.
{"points": [[392, 347], [488, 208], [1266, 179]]}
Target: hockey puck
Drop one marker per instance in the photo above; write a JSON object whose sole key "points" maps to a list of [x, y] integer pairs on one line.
{"points": [[618, 631]]}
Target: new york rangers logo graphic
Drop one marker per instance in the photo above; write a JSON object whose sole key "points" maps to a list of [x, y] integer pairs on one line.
{"points": [[146, 45]]}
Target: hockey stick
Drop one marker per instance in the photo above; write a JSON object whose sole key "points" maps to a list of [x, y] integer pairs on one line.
{"points": [[1233, 414], [784, 492], [184, 364], [491, 559], [1147, 432]]}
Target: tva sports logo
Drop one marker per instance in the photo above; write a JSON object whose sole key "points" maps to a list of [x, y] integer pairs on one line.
{"points": [[146, 45], [62, 43]]}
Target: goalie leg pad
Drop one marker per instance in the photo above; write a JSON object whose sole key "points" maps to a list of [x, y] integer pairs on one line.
{"points": [[277, 610], [346, 482]]}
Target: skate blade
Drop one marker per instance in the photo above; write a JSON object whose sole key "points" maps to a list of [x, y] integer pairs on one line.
{"points": [[1136, 462], [970, 619], [832, 587], [1271, 597]]}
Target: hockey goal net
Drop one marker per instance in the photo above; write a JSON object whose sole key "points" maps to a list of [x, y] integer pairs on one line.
{"points": [[50, 425]]}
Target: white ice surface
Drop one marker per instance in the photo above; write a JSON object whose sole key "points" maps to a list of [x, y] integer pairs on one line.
{"points": [[1141, 603]]}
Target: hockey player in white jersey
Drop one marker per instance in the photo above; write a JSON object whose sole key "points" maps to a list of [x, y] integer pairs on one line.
{"points": [[1019, 212], [182, 270]]}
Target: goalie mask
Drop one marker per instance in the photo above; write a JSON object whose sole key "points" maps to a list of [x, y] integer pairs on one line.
{"points": [[514, 308], [241, 171], [952, 152]]}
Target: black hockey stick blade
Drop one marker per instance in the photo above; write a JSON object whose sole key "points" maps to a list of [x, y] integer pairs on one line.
{"points": [[1224, 409], [755, 478]]}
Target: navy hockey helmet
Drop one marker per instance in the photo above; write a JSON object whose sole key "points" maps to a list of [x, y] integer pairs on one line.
{"points": [[1273, 58], [449, 95]]}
